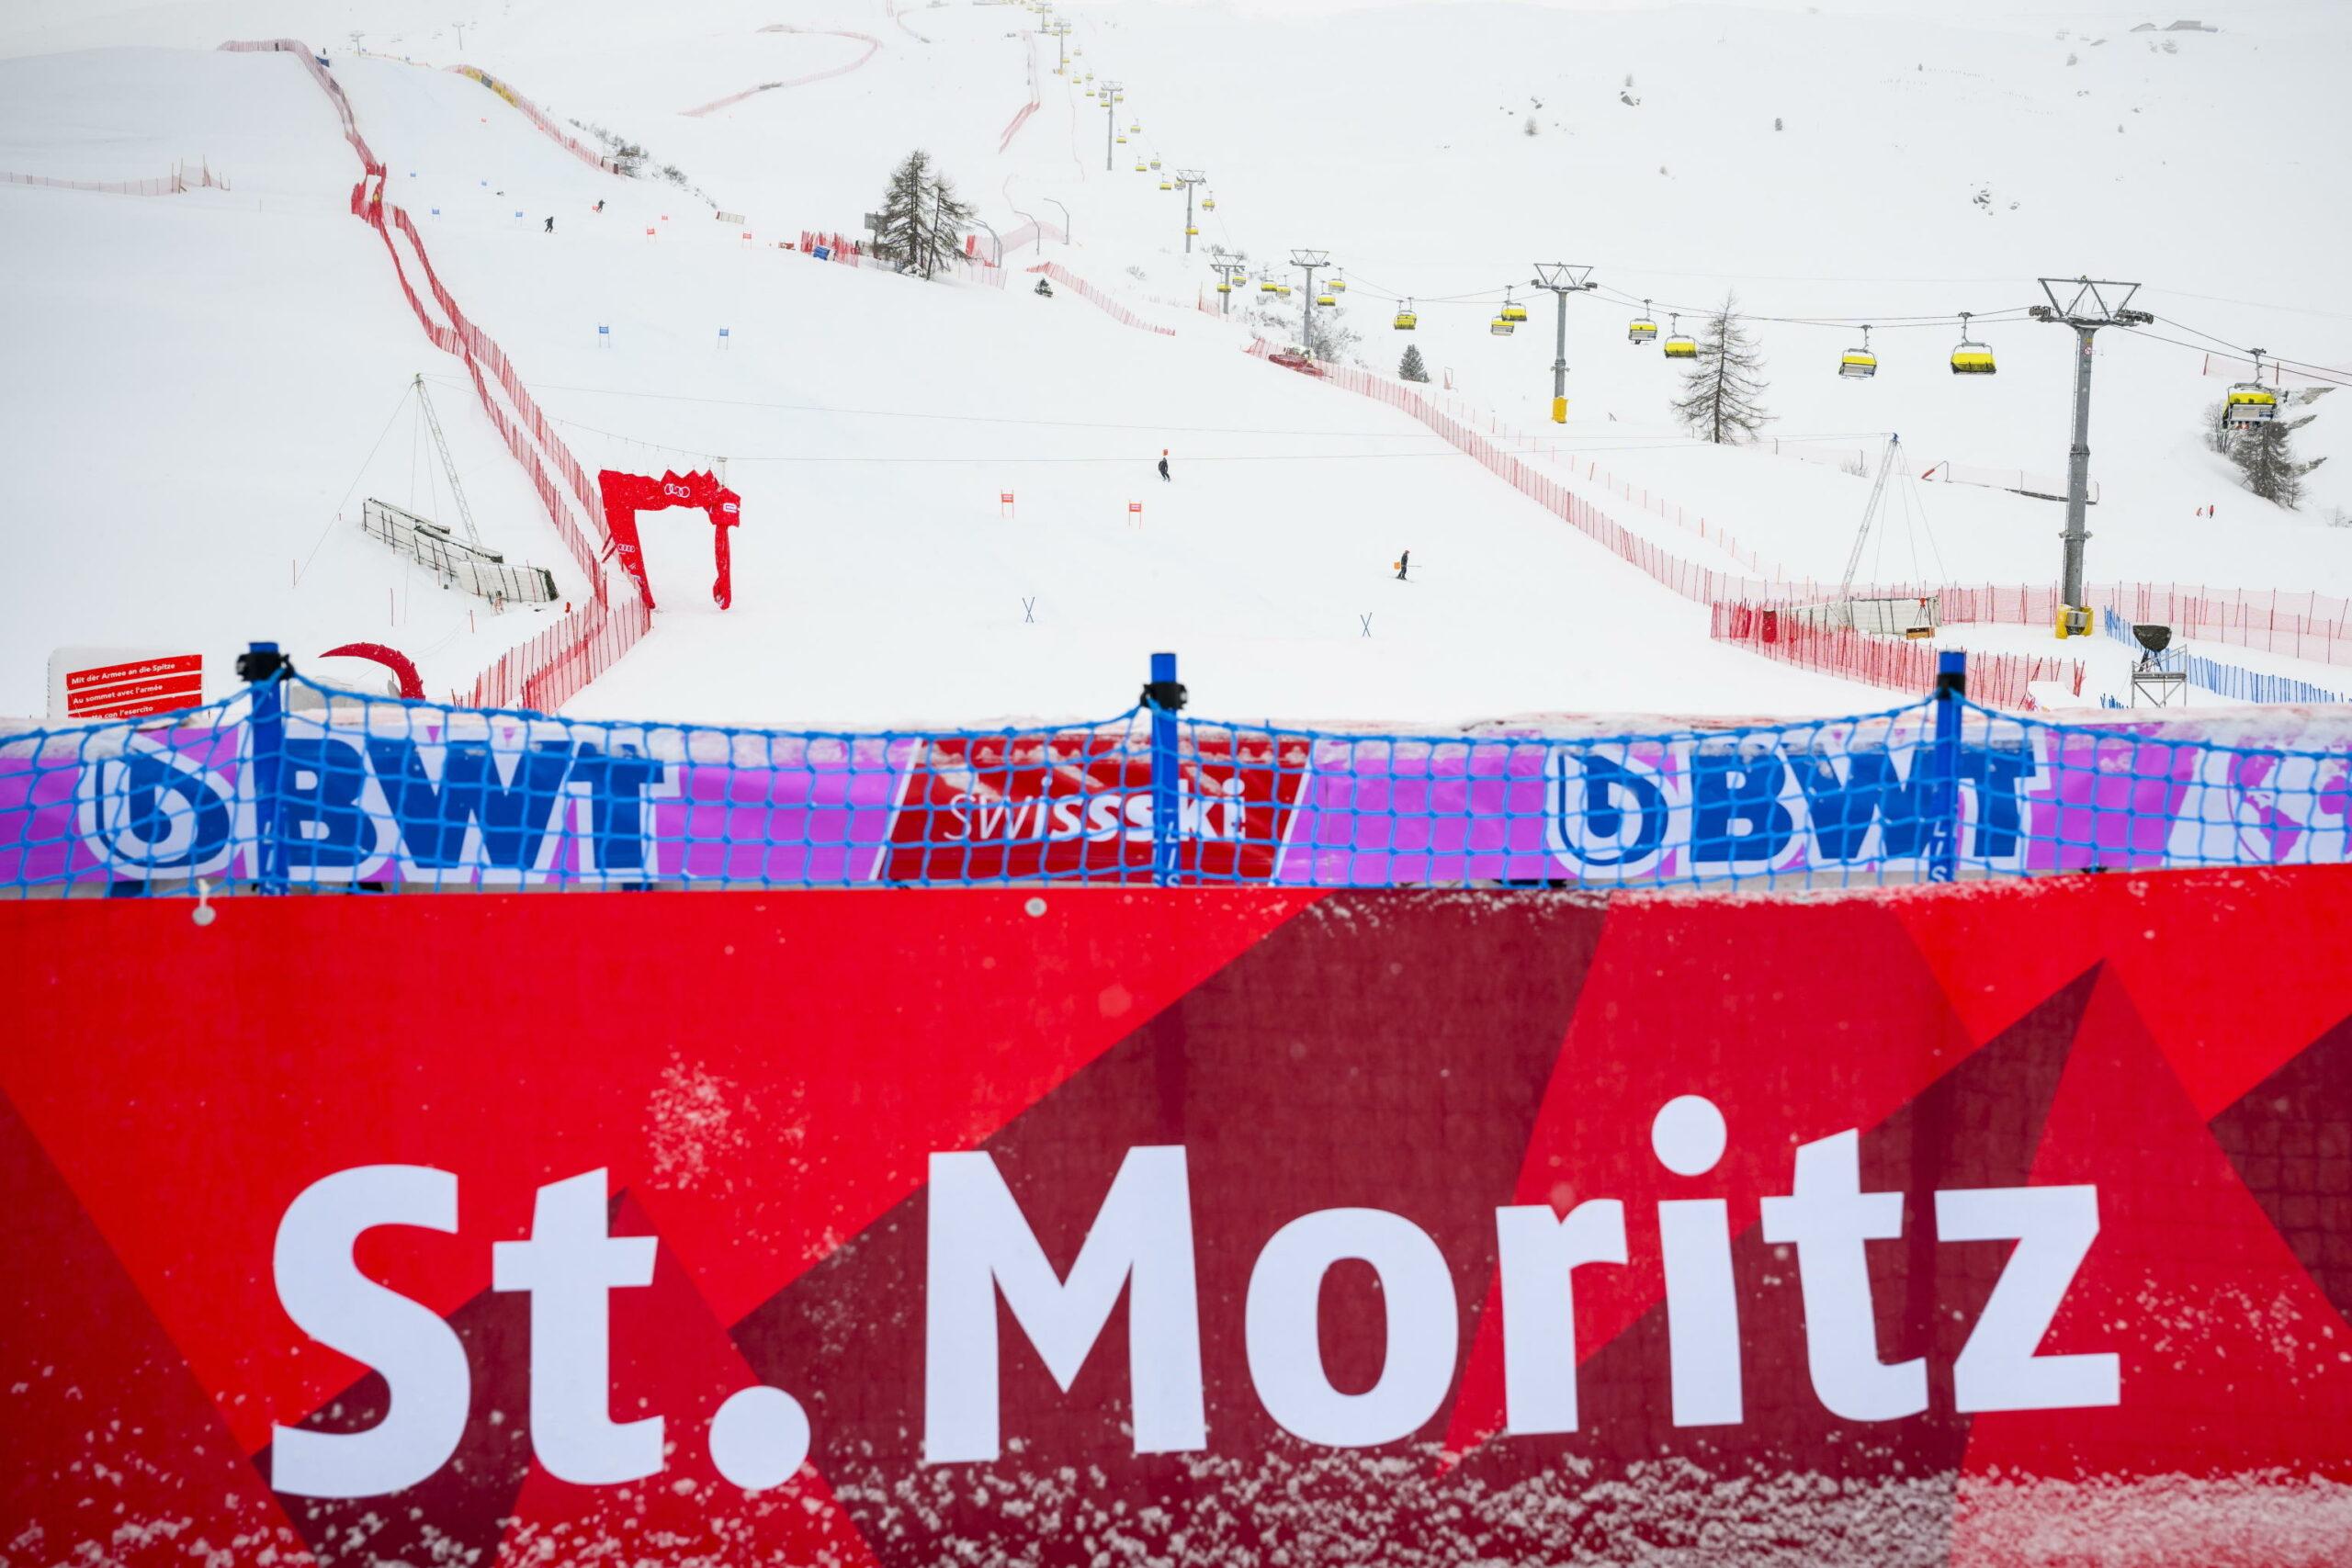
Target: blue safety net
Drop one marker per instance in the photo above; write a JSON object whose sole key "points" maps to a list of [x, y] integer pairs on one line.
{"points": [[298, 787]]}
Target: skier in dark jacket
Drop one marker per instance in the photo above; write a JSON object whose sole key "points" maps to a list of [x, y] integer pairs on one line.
{"points": [[550, 228], [1404, 562], [1163, 463]]}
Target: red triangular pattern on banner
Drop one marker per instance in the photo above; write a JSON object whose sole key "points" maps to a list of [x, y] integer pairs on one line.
{"points": [[1653, 1023], [672, 1358], [109, 1450], [873, 1035], [2228, 1349], [2000, 950]]}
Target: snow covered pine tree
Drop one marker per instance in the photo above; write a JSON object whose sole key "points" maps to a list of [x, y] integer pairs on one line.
{"points": [[920, 218], [1722, 389], [1410, 367], [2266, 456]]}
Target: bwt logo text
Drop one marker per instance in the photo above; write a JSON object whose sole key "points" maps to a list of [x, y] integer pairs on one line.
{"points": [[1728, 807], [361, 807], [980, 1248]]}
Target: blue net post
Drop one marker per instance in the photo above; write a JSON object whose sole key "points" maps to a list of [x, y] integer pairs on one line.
{"points": [[1952, 692], [1164, 695], [265, 669]]}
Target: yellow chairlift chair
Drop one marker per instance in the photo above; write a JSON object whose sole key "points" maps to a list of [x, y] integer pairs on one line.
{"points": [[1858, 362], [1971, 358]]}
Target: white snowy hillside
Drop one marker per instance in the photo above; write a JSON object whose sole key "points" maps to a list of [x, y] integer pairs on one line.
{"points": [[211, 383]]}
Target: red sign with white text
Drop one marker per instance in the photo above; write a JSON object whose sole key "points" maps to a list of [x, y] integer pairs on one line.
{"points": [[135, 688], [1076, 804], [1983, 1226]]}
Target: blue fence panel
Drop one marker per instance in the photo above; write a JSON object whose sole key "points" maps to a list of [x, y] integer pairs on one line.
{"points": [[374, 794], [2234, 682]]}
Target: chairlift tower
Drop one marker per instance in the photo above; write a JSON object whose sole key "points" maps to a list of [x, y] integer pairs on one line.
{"points": [[1060, 33], [1228, 269], [1312, 261], [1189, 179], [1563, 278], [1111, 98], [2088, 305]]}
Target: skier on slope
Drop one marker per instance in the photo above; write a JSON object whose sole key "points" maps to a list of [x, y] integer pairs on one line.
{"points": [[1164, 475], [550, 228], [1404, 564]]}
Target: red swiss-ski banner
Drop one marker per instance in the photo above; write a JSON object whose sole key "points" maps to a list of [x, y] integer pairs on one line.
{"points": [[1077, 805], [1997, 1226]]}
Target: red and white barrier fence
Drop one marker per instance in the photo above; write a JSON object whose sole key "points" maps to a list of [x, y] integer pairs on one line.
{"points": [[552, 667], [1098, 299], [539, 118], [1020, 115], [1032, 232], [871, 43], [851, 253], [180, 180], [2304, 625], [327, 84], [1996, 679]]}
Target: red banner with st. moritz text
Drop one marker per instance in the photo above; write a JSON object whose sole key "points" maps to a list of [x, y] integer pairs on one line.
{"points": [[1995, 1225]]}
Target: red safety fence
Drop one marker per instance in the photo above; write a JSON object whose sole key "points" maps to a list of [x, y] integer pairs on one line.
{"points": [[553, 666], [588, 542], [837, 247], [178, 182], [538, 116], [871, 43], [1021, 116], [1686, 578], [1031, 233], [327, 84], [1996, 679], [1098, 299], [841, 248], [2305, 625], [1020, 119]]}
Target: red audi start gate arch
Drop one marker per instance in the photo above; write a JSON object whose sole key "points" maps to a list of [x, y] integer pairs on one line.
{"points": [[625, 495]]}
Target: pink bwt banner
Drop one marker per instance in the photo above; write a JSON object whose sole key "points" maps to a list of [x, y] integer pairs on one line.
{"points": [[1990, 1226], [430, 796]]}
